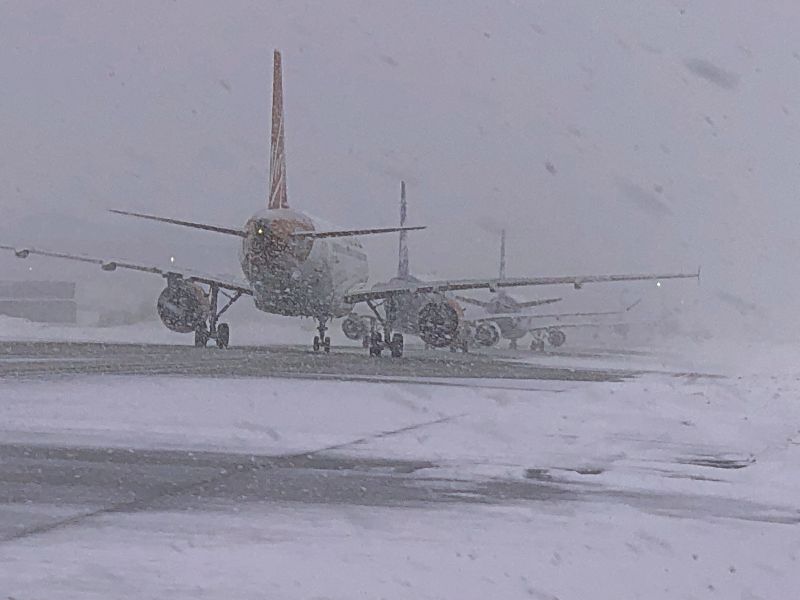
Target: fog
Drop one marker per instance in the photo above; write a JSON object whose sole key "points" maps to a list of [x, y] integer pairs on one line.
{"points": [[607, 137]]}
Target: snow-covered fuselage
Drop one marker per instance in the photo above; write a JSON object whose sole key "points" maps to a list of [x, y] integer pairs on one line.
{"points": [[297, 275]]}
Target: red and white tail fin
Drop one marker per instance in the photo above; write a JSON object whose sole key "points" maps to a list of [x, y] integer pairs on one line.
{"points": [[277, 160]]}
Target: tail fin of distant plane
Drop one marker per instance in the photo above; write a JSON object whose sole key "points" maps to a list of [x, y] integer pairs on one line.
{"points": [[277, 159], [402, 267], [503, 254]]}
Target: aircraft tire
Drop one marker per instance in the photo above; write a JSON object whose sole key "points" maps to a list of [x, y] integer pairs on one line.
{"points": [[375, 344], [397, 345], [223, 335], [200, 337]]}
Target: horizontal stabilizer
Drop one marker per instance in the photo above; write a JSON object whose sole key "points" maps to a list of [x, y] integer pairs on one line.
{"points": [[203, 226], [472, 301], [109, 264], [351, 232]]}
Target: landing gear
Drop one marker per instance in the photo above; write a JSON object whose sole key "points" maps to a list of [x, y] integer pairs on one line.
{"points": [[459, 344], [512, 345], [223, 335], [375, 343], [219, 332], [321, 341], [537, 343], [201, 336], [396, 345]]}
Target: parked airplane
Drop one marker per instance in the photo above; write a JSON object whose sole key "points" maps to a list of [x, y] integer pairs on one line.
{"points": [[505, 317], [489, 328], [295, 265], [424, 309]]}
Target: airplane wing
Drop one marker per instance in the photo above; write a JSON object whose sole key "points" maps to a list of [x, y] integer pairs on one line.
{"points": [[539, 302], [473, 301], [531, 316], [225, 282], [382, 291]]}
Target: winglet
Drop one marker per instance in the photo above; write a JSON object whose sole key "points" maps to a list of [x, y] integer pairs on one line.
{"points": [[277, 159], [698, 274]]}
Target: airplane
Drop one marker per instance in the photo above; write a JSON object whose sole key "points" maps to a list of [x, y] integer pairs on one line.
{"points": [[425, 310], [489, 329], [505, 319], [296, 265], [410, 312]]}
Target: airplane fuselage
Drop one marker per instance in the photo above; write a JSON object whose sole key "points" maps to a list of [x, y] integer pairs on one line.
{"points": [[299, 276], [510, 328]]}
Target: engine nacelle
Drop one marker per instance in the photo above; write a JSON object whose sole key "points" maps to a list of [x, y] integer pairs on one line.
{"points": [[556, 337], [183, 306], [438, 323], [487, 334], [355, 327]]}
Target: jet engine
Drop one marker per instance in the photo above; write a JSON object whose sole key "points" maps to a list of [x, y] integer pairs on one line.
{"points": [[487, 334], [355, 327], [556, 337], [183, 306], [438, 323]]}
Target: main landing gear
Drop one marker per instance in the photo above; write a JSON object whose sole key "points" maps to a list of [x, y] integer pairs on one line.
{"points": [[555, 337], [377, 343], [395, 345], [321, 341], [213, 330]]}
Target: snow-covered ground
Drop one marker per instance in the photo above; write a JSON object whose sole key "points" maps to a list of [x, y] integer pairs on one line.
{"points": [[270, 330], [673, 487]]}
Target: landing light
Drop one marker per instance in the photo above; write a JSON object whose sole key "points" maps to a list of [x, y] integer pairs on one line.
{"points": [[260, 231], [658, 284], [172, 259]]}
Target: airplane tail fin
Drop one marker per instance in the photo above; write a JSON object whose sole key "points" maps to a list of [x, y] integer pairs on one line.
{"points": [[503, 254], [402, 267], [277, 160]]}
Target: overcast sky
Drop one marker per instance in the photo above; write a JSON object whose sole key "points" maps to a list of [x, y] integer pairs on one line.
{"points": [[607, 136]]}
